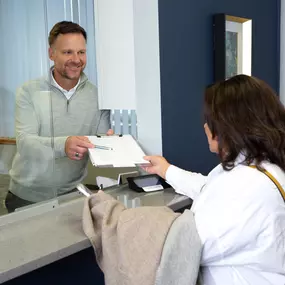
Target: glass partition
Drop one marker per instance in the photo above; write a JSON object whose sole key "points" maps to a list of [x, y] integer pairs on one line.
{"points": [[26, 144], [48, 102], [39, 106]]}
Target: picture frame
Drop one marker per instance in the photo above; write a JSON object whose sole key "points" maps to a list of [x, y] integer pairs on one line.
{"points": [[232, 46]]}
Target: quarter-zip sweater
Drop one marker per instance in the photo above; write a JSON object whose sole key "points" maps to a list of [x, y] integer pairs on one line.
{"points": [[44, 118]]}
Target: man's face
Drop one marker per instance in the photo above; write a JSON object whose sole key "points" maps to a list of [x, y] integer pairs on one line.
{"points": [[69, 55]]}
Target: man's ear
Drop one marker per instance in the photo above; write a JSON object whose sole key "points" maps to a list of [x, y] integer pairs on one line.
{"points": [[51, 53]]}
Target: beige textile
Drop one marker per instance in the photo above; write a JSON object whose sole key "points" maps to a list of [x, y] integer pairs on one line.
{"points": [[128, 243]]}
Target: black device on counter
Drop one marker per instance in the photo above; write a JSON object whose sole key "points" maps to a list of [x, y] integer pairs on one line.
{"points": [[147, 183]]}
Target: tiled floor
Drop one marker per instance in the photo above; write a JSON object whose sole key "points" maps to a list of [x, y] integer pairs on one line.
{"points": [[4, 182]]}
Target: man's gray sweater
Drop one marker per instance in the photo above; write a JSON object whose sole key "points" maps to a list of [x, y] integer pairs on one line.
{"points": [[44, 119]]}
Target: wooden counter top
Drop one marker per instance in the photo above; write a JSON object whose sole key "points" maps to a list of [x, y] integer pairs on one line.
{"points": [[7, 140]]}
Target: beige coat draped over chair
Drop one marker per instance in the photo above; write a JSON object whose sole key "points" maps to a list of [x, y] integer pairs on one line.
{"points": [[142, 246]]}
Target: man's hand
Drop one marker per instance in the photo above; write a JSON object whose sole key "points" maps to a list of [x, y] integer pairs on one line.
{"points": [[77, 146], [159, 165], [110, 132]]}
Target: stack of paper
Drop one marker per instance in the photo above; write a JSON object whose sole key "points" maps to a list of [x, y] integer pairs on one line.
{"points": [[123, 151]]}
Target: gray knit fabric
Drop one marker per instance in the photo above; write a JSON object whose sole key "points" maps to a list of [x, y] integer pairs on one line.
{"points": [[144, 245], [40, 168], [181, 254]]}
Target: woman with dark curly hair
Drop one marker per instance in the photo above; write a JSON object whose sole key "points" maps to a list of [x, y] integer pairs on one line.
{"points": [[240, 206]]}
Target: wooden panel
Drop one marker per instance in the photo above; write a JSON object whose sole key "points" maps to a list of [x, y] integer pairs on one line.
{"points": [[236, 19], [5, 140]]}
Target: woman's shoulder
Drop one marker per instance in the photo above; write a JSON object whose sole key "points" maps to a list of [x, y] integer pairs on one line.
{"points": [[247, 182]]}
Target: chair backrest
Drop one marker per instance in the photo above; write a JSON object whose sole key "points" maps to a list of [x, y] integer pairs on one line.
{"points": [[181, 256]]}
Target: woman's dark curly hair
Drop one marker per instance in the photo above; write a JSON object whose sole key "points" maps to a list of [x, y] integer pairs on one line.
{"points": [[245, 115]]}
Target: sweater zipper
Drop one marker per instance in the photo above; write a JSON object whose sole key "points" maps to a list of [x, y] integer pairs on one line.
{"points": [[67, 100]]}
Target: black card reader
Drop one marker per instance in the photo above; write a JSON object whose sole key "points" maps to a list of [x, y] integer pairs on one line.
{"points": [[147, 183]]}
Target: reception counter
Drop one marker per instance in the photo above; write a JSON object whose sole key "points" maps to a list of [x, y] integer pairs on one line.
{"points": [[38, 243]]}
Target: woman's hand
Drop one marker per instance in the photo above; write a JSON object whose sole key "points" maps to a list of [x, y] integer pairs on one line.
{"points": [[159, 165]]}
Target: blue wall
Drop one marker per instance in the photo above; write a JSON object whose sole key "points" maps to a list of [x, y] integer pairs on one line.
{"points": [[77, 269], [186, 57]]}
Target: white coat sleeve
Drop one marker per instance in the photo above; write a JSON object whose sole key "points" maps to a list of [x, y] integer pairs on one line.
{"points": [[185, 182]]}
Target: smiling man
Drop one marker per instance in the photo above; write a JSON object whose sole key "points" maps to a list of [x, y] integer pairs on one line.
{"points": [[53, 117], [68, 51]]}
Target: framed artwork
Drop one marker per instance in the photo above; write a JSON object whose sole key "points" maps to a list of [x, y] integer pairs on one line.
{"points": [[232, 46]]}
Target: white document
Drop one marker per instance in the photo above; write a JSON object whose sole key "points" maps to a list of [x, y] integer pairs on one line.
{"points": [[106, 181], [124, 151], [152, 188]]}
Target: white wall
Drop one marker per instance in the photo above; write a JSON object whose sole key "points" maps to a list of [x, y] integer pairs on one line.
{"points": [[148, 92], [25, 26], [128, 65], [114, 24]]}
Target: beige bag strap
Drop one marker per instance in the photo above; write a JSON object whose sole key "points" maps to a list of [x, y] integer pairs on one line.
{"points": [[272, 178]]}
